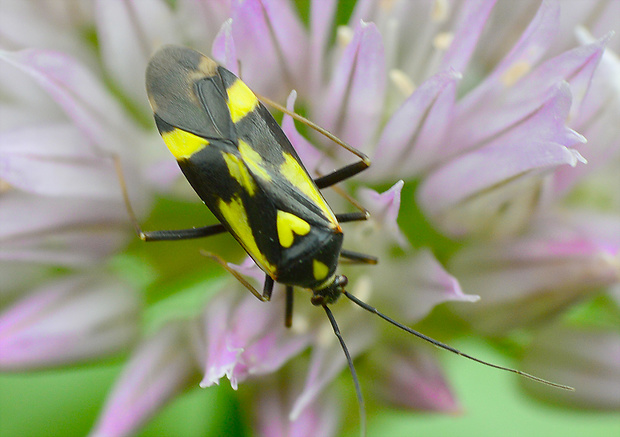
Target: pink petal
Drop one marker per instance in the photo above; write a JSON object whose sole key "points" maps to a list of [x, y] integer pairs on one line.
{"points": [[160, 368], [200, 20], [384, 209], [78, 92], [59, 231], [244, 337], [321, 22], [408, 377], [328, 359], [461, 180], [513, 103], [271, 405], [352, 104], [128, 33], [524, 280], [530, 48], [416, 286], [53, 160], [224, 50], [398, 143], [310, 156], [588, 360], [71, 320], [267, 34], [466, 35]]}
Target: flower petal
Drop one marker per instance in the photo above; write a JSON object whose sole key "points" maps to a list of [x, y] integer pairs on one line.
{"points": [[309, 155], [267, 34], [416, 286], [384, 209], [160, 368], [127, 34], [70, 320], [52, 160], [322, 15], [232, 347], [490, 173], [224, 49], [527, 279], [59, 231], [352, 103], [588, 360], [510, 100], [466, 35], [200, 20], [398, 147], [528, 50], [272, 403], [328, 360], [78, 92], [411, 378]]}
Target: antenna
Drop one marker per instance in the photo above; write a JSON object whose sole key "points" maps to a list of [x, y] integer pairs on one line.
{"points": [[450, 348]]}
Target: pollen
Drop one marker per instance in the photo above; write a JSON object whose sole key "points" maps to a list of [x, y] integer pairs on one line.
{"points": [[443, 40], [515, 72], [403, 82]]}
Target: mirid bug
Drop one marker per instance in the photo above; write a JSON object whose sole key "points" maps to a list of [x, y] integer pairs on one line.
{"points": [[243, 167]]}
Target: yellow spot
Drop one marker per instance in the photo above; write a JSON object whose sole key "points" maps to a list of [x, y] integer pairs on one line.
{"points": [[344, 35], [239, 172], [443, 40], [253, 160], [515, 72], [235, 215], [296, 175], [183, 144], [319, 270], [440, 11], [402, 81], [289, 224], [241, 100]]}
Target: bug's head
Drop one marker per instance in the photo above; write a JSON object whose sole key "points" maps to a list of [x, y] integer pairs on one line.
{"points": [[330, 293]]}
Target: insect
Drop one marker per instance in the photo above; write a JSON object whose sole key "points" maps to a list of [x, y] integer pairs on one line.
{"points": [[243, 167]]}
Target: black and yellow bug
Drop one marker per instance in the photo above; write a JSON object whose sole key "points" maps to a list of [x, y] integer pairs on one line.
{"points": [[242, 165]]}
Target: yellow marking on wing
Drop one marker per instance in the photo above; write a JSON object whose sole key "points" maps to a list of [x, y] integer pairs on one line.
{"points": [[319, 269], [295, 174], [253, 160], [236, 216], [289, 224], [241, 100], [239, 172], [183, 144]]}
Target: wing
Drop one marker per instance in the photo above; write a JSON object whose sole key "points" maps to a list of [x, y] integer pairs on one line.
{"points": [[237, 159]]}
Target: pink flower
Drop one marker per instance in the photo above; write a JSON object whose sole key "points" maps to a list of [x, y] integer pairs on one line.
{"points": [[489, 122]]}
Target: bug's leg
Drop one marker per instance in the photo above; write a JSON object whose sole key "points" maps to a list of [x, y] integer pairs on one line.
{"points": [[352, 216], [182, 234], [236, 274], [268, 287], [288, 310], [165, 235], [357, 257], [337, 175], [341, 174]]}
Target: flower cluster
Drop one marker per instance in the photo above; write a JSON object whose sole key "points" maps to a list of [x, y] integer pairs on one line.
{"points": [[501, 118]]}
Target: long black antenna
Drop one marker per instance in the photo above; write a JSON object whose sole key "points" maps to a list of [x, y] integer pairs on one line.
{"points": [[450, 348], [358, 389]]}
